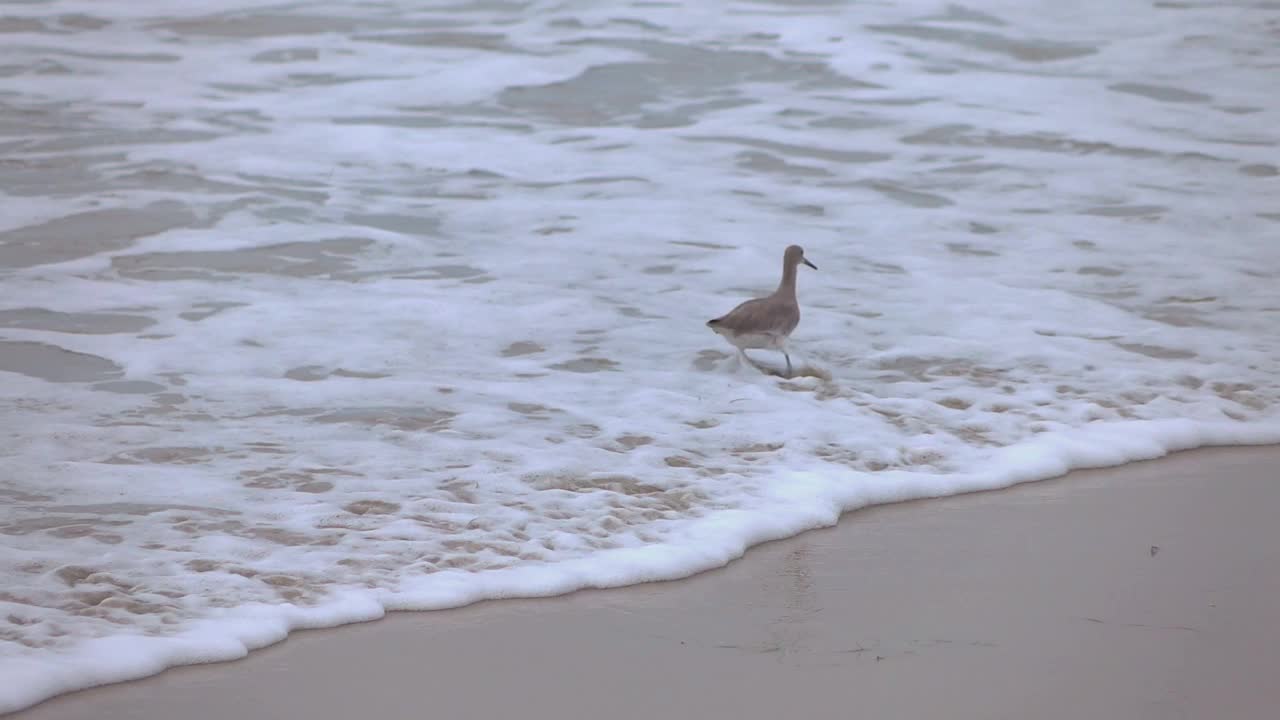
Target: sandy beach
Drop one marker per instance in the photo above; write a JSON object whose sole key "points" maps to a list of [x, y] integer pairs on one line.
{"points": [[1145, 591]]}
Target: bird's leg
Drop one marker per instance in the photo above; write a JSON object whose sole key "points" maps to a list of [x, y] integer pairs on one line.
{"points": [[788, 357], [742, 357]]}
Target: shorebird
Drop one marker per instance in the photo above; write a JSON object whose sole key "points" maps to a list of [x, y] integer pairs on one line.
{"points": [[765, 323]]}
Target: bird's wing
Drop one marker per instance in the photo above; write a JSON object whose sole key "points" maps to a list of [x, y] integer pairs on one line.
{"points": [[762, 315]]}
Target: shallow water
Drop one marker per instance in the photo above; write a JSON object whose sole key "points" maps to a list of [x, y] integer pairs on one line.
{"points": [[311, 311]]}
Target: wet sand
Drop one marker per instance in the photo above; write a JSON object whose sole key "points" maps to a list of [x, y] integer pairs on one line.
{"points": [[1146, 591]]}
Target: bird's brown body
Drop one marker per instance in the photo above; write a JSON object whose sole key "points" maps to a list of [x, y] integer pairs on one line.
{"points": [[766, 323]]}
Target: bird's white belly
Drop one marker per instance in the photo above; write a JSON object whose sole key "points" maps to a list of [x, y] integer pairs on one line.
{"points": [[755, 341]]}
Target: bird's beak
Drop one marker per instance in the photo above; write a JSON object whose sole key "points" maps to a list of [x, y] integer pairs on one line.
{"points": [[806, 262]]}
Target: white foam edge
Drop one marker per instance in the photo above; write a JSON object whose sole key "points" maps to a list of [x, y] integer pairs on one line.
{"points": [[807, 501]]}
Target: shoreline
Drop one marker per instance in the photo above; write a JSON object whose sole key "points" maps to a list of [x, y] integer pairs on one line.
{"points": [[795, 598], [800, 506]]}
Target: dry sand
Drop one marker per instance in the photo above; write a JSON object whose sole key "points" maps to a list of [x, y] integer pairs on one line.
{"points": [[1148, 591]]}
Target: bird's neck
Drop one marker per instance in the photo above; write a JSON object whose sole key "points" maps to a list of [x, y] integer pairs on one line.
{"points": [[788, 285]]}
